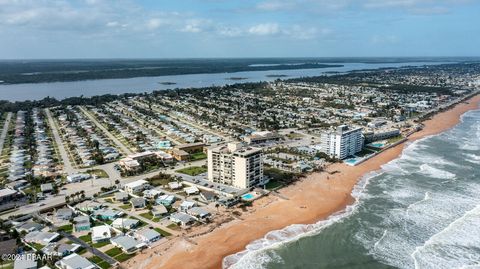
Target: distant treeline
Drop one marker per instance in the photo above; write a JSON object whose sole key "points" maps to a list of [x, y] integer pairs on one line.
{"points": [[37, 72]]}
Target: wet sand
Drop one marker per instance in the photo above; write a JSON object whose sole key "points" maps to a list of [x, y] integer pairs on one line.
{"points": [[314, 198]]}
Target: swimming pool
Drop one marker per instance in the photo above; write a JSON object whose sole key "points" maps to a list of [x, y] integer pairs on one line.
{"points": [[248, 196], [377, 145], [352, 161]]}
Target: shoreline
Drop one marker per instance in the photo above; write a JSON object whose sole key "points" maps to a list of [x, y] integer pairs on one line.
{"points": [[312, 199]]}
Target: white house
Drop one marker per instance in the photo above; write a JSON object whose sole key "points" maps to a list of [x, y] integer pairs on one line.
{"points": [[75, 261], [100, 233], [136, 186]]}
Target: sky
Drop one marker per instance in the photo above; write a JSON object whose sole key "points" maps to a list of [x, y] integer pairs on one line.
{"points": [[45, 29]]}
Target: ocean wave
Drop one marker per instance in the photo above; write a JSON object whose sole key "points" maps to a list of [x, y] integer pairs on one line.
{"points": [[472, 158], [453, 247], [255, 254], [436, 172]]}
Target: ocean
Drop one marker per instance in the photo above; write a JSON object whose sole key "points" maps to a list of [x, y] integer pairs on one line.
{"points": [[421, 210]]}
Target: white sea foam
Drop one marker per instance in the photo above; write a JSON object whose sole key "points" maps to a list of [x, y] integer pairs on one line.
{"points": [[418, 217], [472, 158], [255, 254], [453, 247], [436, 172]]}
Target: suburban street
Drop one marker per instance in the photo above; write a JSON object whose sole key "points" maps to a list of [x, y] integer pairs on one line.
{"points": [[121, 146], [67, 165], [5, 130]]}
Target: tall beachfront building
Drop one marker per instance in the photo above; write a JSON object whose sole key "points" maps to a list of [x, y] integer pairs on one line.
{"points": [[342, 142], [235, 165]]}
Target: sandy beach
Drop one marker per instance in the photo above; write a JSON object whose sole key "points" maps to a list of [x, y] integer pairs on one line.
{"points": [[312, 199]]}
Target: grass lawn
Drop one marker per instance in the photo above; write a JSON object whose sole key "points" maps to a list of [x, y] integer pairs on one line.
{"points": [[98, 172], [123, 257], [395, 139], [126, 206], [98, 261], [66, 228], [95, 259], [7, 266], [113, 252], [118, 254], [37, 246], [148, 215], [100, 244], [198, 156], [160, 179], [273, 184], [86, 238], [174, 226], [162, 232], [192, 170], [103, 265]]}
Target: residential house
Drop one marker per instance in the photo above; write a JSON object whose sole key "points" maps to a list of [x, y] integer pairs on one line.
{"points": [[182, 219], [159, 211], [107, 214], [121, 196], [185, 205], [208, 196], [101, 233], [81, 223], [136, 186], [39, 237], [75, 261], [191, 190], [88, 206], [77, 177], [60, 249], [174, 185], [166, 200], [47, 187], [138, 202], [199, 212], [151, 194], [29, 226], [64, 214], [127, 244], [148, 235], [123, 223]]}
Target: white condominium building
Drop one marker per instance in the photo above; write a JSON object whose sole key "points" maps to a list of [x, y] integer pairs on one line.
{"points": [[342, 142], [232, 164]]}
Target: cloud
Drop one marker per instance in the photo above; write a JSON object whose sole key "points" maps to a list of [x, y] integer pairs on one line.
{"points": [[196, 25], [264, 29], [275, 5]]}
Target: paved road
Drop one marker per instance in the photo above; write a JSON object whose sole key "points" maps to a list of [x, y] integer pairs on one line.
{"points": [[119, 144], [5, 130], [67, 165]]}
